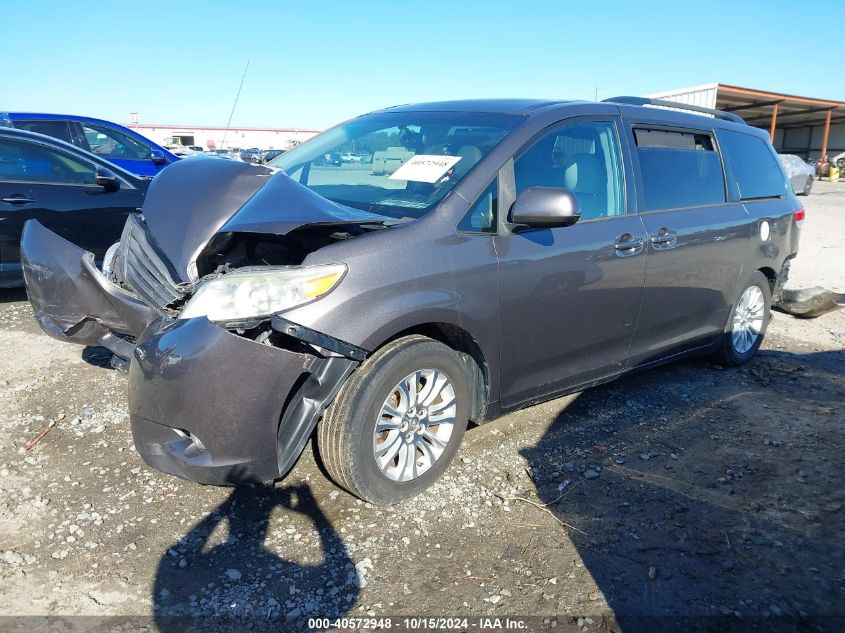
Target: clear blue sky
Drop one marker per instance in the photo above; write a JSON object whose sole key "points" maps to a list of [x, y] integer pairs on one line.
{"points": [[316, 63]]}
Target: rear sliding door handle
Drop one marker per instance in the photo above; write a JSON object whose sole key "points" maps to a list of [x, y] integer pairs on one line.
{"points": [[17, 200], [666, 238], [627, 245]]}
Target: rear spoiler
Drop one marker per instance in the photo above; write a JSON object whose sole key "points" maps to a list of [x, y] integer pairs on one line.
{"points": [[645, 101]]}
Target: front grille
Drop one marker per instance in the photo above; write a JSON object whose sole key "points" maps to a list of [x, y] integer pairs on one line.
{"points": [[142, 269]]}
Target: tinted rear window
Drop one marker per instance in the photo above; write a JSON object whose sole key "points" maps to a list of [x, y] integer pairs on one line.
{"points": [[757, 172], [679, 169], [56, 129]]}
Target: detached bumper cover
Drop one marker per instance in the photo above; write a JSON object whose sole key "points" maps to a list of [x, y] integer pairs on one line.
{"points": [[73, 301]]}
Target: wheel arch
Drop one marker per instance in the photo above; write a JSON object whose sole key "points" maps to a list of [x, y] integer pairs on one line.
{"points": [[770, 274], [462, 341]]}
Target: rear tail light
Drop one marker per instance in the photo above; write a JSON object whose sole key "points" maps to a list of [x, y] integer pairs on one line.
{"points": [[799, 217]]}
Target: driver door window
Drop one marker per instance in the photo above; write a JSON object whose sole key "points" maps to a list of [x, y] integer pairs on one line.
{"points": [[581, 157], [110, 143], [30, 162]]}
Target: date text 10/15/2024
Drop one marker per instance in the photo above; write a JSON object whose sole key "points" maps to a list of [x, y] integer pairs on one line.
{"points": [[421, 624]]}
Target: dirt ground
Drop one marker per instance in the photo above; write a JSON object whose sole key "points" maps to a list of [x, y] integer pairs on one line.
{"points": [[688, 497]]}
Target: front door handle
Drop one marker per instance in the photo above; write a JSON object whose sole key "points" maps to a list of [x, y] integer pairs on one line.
{"points": [[627, 245], [17, 200], [664, 238]]}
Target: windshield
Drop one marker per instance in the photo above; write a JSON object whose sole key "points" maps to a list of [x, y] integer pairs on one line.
{"points": [[398, 164]]}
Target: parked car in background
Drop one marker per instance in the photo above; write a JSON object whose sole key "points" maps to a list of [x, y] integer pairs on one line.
{"points": [[522, 250], [332, 159], [117, 144], [185, 152], [386, 161], [270, 154], [225, 153], [801, 174], [249, 155], [80, 196]]}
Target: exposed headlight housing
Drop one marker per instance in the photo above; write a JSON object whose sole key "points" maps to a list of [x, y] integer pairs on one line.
{"points": [[258, 293]]}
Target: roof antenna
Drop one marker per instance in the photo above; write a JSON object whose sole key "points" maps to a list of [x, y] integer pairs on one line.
{"points": [[234, 105]]}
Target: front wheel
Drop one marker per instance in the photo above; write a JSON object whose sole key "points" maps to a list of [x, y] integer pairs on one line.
{"points": [[396, 424], [748, 322]]}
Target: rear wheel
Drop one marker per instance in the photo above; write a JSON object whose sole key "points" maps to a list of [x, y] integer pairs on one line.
{"points": [[748, 322], [808, 186], [396, 424]]}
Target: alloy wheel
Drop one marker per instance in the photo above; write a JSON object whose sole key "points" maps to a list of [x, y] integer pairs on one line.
{"points": [[415, 424], [748, 319]]}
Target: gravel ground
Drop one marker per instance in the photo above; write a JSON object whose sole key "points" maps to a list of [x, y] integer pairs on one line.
{"points": [[685, 491]]}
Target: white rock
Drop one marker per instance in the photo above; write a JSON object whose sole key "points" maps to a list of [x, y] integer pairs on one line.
{"points": [[233, 574]]}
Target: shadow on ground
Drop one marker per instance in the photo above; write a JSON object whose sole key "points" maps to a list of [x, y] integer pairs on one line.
{"points": [[709, 505], [11, 295], [239, 567], [97, 356]]}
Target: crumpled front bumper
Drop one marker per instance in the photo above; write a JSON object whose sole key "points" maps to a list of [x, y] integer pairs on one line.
{"points": [[205, 404], [73, 301], [217, 408]]}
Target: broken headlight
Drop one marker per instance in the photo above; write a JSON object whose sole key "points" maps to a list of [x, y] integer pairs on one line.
{"points": [[255, 293]]}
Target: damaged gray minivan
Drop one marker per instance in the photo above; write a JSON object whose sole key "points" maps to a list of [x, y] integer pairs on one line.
{"points": [[479, 257]]}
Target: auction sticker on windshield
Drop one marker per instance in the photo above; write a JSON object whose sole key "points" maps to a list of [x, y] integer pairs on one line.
{"points": [[425, 168]]}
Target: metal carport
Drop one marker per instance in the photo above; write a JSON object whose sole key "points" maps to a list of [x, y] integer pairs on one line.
{"points": [[806, 126]]}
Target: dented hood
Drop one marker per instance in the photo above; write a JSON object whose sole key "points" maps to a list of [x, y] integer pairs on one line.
{"points": [[191, 200]]}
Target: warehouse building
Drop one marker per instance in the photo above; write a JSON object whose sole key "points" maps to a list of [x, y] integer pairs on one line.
{"points": [[220, 138], [805, 126]]}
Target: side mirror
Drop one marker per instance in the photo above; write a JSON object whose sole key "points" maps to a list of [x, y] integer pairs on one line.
{"points": [[545, 207], [158, 157], [107, 179]]}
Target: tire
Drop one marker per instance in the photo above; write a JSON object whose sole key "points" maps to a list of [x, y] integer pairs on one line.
{"points": [[808, 187], [346, 437], [841, 163], [736, 349]]}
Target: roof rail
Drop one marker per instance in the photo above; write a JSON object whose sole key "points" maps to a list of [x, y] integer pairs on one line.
{"points": [[643, 101]]}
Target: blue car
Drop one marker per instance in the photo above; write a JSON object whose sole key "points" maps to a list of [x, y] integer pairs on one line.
{"points": [[112, 142]]}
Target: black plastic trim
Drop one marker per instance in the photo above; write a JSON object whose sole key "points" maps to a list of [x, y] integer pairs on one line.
{"points": [[281, 324], [307, 406]]}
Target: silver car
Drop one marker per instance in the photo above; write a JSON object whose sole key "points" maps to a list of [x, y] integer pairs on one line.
{"points": [[800, 174]]}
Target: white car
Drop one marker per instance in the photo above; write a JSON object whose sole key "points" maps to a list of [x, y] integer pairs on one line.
{"points": [[225, 153], [800, 174], [186, 151]]}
